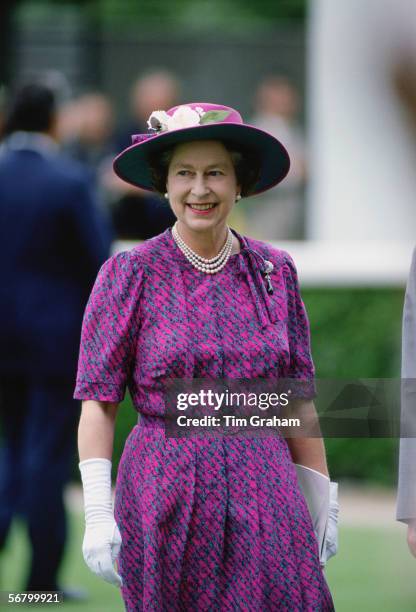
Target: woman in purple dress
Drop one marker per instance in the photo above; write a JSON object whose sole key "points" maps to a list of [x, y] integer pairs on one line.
{"points": [[207, 522]]}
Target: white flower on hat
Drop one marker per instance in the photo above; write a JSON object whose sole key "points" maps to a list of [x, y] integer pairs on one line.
{"points": [[158, 121], [183, 117]]}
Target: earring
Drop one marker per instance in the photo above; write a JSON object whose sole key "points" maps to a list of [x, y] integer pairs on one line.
{"points": [[237, 197], [167, 195]]}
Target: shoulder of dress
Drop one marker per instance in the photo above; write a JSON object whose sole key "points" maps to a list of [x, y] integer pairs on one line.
{"points": [[123, 265], [150, 248], [278, 257], [143, 254]]}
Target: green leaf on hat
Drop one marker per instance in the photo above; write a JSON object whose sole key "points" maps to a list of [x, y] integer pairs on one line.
{"points": [[214, 116]]}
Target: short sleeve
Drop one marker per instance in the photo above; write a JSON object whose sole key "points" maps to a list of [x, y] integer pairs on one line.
{"points": [[301, 364], [109, 330]]}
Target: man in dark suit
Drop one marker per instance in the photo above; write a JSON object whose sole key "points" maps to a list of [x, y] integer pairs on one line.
{"points": [[53, 242]]}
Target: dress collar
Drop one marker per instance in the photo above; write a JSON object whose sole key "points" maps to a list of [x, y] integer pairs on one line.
{"points": [[252, 265]]}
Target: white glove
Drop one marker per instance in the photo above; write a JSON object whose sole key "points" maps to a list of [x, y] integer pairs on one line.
{"points": [[322, 499], [102, 539]]}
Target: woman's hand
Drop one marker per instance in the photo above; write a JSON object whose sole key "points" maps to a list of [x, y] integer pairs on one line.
{"points": [[102, 543], [102, 539], [321, 496], [411, 536]]}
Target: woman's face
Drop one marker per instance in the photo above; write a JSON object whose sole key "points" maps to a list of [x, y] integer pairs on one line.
{"points": [[201, 184]]}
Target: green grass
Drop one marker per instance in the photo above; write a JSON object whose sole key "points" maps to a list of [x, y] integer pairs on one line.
{"points": [[103, 597], [372, 572]]}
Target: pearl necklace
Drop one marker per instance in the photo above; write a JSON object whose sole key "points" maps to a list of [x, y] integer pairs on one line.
{"points": [[209, 266]]}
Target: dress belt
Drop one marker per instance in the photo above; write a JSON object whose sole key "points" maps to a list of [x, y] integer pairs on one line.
{"points": [[151, 421]]}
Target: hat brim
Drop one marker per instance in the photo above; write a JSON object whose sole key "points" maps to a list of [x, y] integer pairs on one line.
{"points": [[131, 165]]}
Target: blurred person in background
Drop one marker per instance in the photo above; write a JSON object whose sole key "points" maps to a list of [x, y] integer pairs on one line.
{"points": [[136, 214], [90, 140], [404, 80], [68, 122], [156, 88], [406, 494], [279, 214], [53, 242], [86, 130]]}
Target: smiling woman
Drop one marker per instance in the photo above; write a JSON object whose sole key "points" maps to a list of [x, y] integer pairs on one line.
{"points": [[199, 523], [204, 179], [202, 188]]}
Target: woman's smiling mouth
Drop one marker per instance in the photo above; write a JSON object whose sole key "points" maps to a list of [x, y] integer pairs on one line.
{"points": [[202, 208]]}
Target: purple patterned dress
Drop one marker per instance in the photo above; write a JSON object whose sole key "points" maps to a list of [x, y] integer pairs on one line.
{"points": [[207, 523]]}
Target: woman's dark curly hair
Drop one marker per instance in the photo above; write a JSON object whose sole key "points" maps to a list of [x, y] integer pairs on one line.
{"points": [[245, 161]]}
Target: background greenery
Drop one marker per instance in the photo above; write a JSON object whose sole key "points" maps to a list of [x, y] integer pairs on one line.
{"points": [[356, 333], [195, 14]]}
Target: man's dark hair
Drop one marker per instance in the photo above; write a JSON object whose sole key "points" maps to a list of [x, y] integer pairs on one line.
{"points": [[31, 109]]}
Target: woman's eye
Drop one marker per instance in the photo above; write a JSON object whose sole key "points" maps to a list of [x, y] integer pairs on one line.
{"points": [[216, 172], [183, 172]]}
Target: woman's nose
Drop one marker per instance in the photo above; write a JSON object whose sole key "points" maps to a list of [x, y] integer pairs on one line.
{"points": [[199, 187]]}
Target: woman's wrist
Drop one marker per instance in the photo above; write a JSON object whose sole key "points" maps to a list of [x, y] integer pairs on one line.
{"points": [[96, 483], [313, 470]]}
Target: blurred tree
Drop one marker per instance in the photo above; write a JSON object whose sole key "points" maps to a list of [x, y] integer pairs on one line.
{"points": [[201, 14]]}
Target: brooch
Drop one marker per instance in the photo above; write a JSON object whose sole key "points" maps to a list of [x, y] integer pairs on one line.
{"points": [[268, 268]]}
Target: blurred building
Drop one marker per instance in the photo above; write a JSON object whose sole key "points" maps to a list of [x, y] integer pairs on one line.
{"points": [[363, 147]]}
